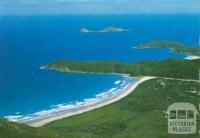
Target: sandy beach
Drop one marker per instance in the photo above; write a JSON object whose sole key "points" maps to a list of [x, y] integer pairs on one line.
{"points": [[64, 114], [190, 57]]}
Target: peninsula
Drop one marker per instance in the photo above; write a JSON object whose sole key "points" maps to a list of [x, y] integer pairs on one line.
{"points": [[177, 47], [174, 68]]}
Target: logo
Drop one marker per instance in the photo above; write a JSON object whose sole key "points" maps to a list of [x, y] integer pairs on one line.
{"points": [[182, 118]]}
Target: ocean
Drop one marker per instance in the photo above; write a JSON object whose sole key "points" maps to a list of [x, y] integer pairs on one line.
{"points": [[29, 42]]}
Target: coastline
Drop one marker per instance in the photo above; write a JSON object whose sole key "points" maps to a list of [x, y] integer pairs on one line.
{"points": [[64, 107], [192, 57], [63, 114], [82, 72], [94, 105]]}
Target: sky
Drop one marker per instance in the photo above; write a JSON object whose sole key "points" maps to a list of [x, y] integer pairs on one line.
{"points": [[98, 6]]}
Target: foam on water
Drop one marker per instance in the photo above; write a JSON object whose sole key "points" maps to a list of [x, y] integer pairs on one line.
{"points": [[67, 107]]}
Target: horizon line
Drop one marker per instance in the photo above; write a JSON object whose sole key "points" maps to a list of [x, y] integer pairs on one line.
{"points": [[145, 13]]}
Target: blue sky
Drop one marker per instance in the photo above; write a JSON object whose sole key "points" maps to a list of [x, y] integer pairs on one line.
{"points": [[97, 6]]}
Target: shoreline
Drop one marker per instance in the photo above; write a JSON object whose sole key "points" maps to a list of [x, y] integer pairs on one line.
{"points": [[192, 57], [188, 56], [79, 110], [75, 105], [85, 108], [82, 72]]}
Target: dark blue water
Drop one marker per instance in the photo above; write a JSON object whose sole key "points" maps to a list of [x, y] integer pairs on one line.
{"points": [[28, 42]]}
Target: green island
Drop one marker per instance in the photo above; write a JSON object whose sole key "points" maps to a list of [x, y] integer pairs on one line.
{"points": [[142, 114], [175, 46]]}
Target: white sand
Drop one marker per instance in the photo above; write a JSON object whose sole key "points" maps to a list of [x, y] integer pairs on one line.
{"points": [[192, 57], [80, 110]]}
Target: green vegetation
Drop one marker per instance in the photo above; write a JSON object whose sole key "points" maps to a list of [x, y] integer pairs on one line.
{"points": [[14, 130], [139, 115], [175, 68], [175, 46]]}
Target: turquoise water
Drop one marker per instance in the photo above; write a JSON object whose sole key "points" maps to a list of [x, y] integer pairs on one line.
{"points": [[28, 42]]}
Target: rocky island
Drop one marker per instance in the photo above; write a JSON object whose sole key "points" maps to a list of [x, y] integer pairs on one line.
{"points": [[85, 30], [113, 29], [105, 30]]}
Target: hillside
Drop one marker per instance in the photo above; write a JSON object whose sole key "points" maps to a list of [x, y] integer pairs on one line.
{"points": [[175, 68], [140, 115], [14, 130], [177, 47]]}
